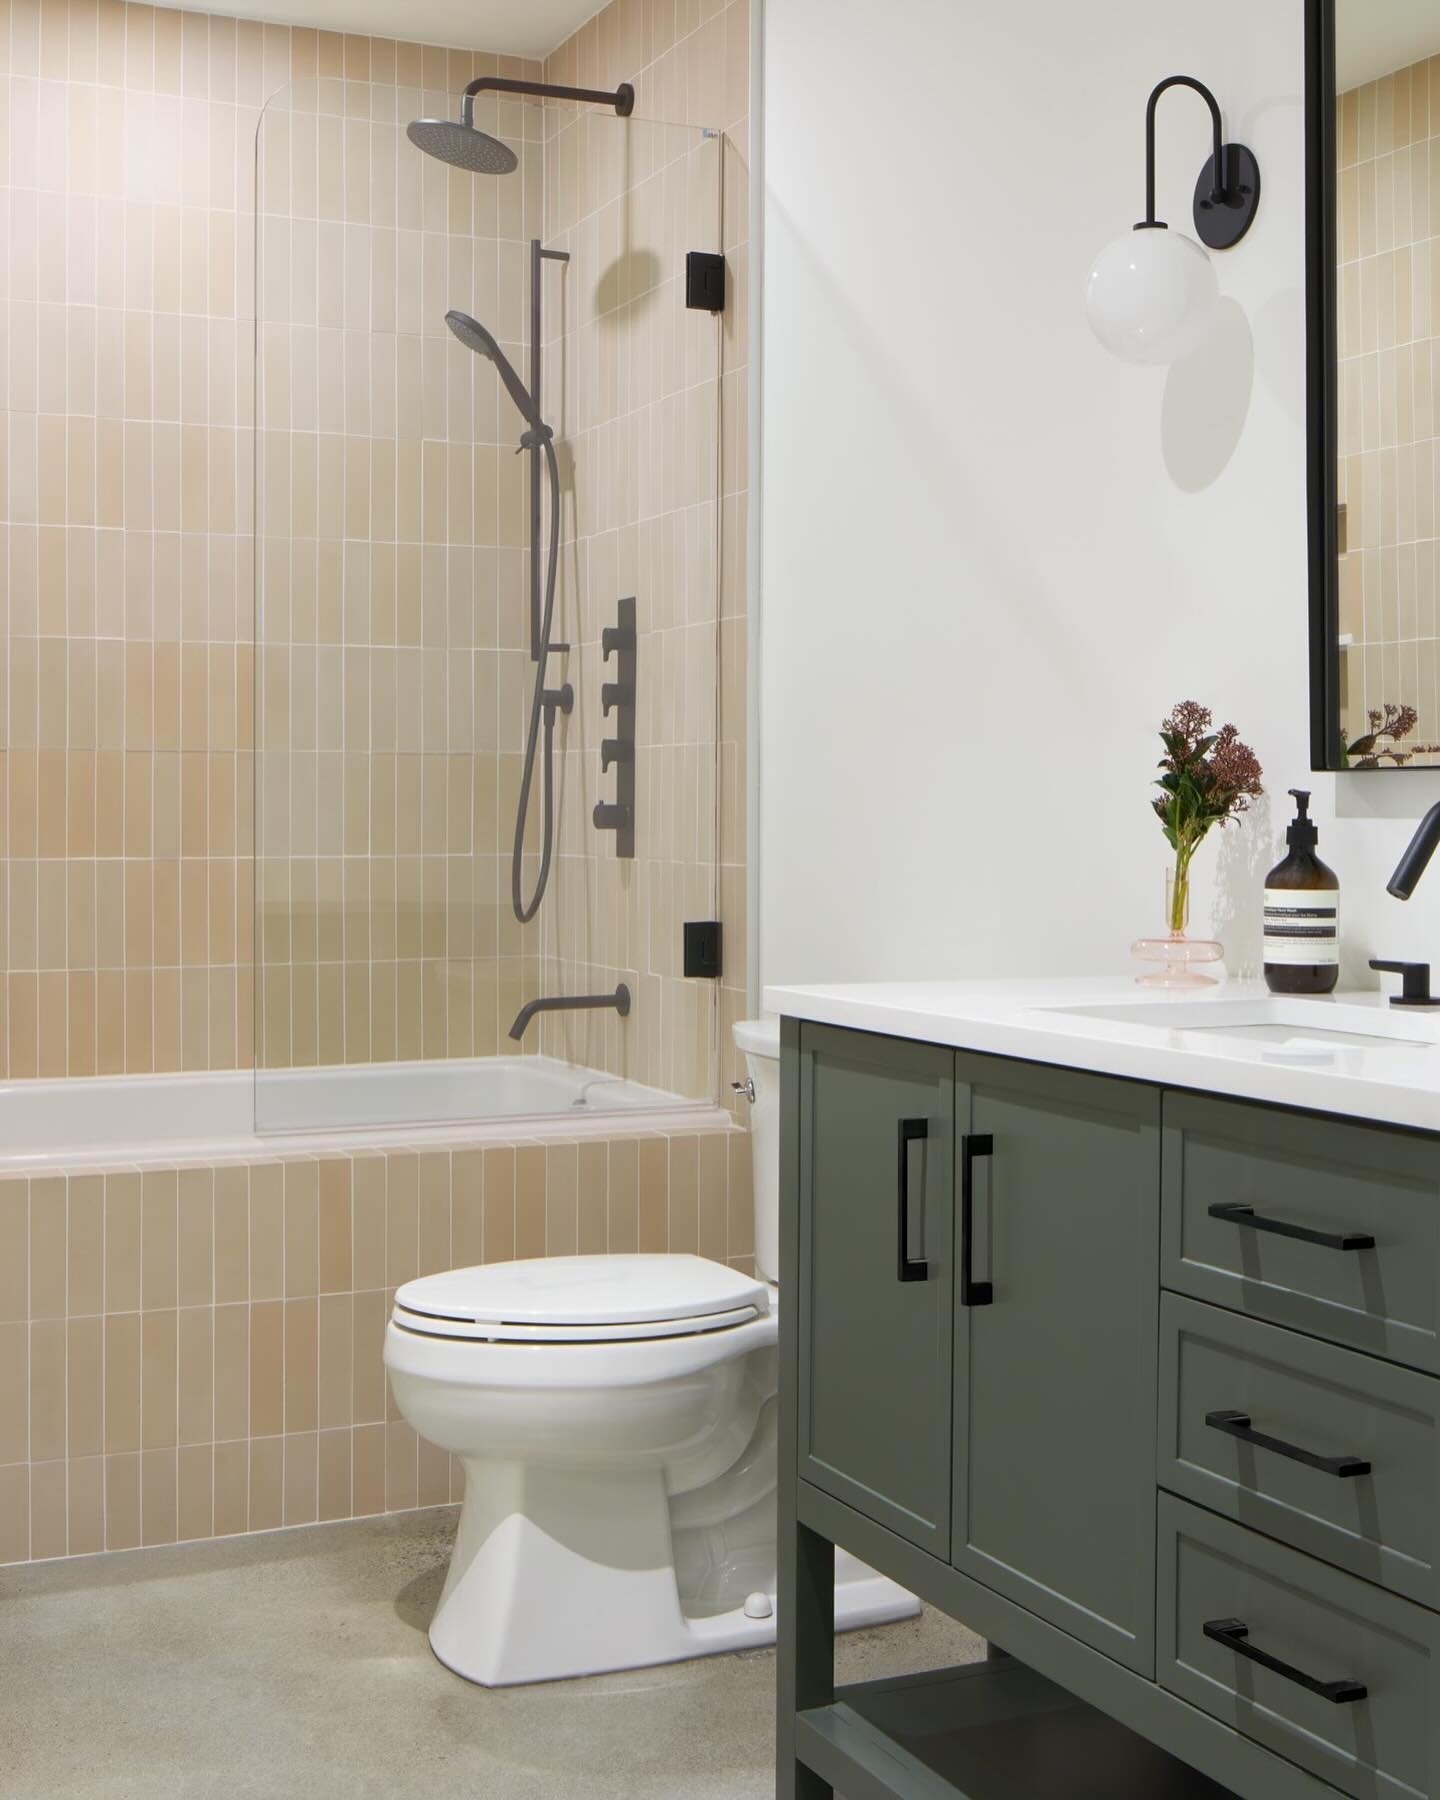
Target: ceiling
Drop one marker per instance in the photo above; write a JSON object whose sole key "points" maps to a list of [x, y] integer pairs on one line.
{"points": [[508, 27], [1376, 37]]}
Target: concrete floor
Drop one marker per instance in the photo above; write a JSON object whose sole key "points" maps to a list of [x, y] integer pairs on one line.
{"points": [[295, 1663]]}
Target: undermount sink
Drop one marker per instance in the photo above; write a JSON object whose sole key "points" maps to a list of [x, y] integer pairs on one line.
{"points": [[1286, 1025]]}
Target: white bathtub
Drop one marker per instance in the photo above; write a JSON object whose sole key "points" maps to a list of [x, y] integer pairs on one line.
{"points": [[168, 1118]]}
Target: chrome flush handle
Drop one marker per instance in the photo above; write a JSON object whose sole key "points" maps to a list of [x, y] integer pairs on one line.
{"points": [[747, 1088]]}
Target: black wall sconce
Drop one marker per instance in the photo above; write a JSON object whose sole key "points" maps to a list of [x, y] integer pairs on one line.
{"points": [[1151, 294]]}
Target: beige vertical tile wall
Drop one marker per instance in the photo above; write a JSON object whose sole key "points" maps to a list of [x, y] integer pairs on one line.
{"points": [[1388, 151], [660, 404], [195, 1351], [126, 416], [393, 625], [192, 1352]]}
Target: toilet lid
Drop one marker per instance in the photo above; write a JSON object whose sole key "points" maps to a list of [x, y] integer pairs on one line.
{"points": [[580, 1297]]}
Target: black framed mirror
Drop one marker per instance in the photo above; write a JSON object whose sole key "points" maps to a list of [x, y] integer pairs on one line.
{"points": [[1373, 250]]}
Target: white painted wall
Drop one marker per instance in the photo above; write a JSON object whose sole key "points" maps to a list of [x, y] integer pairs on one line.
{"points": [[993, 556]]}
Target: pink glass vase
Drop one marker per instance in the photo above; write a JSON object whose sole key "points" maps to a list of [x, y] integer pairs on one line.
{"points": [[1176, 960]]}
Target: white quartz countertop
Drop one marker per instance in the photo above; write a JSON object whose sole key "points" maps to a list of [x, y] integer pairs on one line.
{"points": [[1352, 1054]]}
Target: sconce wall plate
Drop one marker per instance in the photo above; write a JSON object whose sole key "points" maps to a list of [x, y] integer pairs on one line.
{"points": [[1222, 220]]}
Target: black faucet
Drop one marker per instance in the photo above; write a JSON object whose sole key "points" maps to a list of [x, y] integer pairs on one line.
{"points": [[1402, 884], [620, 1000], [1418, 851]]}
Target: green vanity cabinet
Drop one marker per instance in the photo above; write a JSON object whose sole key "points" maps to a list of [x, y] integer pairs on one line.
{"points": [[1055, 1364], [877, 1151], [1142, 1385]]}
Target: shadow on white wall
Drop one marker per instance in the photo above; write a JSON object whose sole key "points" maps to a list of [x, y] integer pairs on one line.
{"points": [[1207, 401]]}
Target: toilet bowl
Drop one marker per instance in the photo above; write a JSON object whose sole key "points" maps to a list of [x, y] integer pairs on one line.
{"points": [[615, 1417]]}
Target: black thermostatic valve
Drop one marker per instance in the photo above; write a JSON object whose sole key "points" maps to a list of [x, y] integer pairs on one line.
{"points": [[705, 281], [702, 947]]}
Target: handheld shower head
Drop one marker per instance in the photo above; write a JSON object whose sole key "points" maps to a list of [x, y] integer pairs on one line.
{"points": [[473, 335], [462, 145]]}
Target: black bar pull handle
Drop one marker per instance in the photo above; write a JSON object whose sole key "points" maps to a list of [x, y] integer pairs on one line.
{"points": [[1331, 1240], [974, 1144], [1237, 1425], [912, 1131], [1232, 1633]]}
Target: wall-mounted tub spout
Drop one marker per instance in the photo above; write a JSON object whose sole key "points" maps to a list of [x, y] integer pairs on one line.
{"points": [[619, 1000]]}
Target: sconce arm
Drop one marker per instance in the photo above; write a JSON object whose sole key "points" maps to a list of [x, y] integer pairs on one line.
{"points": [[1222, 184]]}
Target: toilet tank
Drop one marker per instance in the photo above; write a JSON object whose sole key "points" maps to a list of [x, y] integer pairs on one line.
{"points": [[760, 1041]]}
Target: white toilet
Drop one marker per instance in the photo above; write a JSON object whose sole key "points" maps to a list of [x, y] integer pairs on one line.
{"points": [[616, 1419]]}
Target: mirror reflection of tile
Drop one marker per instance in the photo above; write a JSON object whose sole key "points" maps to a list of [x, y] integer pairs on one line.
{"points": [[1388, 152]]}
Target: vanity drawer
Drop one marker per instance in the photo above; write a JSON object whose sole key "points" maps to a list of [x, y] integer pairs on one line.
{"points": [[1225, 1378], [1315, 1223], [1314, 1626]]}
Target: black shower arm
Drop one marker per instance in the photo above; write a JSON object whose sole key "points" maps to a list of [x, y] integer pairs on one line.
{"points": [[622, 99], [1221, 185]]}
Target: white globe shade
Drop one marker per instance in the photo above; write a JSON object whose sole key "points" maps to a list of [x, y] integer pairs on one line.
{"points": [[1151, 295]]}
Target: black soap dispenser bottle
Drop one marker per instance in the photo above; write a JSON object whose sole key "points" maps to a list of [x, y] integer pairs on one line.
{"points": [[1302, 914]]}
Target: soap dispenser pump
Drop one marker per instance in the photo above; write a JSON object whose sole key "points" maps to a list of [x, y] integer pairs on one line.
{"points": [[1302, 913]]}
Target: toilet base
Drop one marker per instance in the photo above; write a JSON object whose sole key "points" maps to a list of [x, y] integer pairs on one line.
{"points": [[563, 1572]]}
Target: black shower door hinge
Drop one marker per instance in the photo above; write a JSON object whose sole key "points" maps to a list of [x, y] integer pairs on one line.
{"points": [[702, 948], [705, 280]]}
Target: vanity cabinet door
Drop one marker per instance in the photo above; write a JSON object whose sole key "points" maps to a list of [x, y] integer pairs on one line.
{"points": [[876, 1142], [1055, 1367]]}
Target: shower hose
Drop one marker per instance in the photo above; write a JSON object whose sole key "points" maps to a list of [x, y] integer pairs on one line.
{"points": [[543, 704]]}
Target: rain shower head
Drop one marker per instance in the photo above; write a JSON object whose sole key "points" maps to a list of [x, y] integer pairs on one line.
{"points": [[473, 335], [463, 146]]}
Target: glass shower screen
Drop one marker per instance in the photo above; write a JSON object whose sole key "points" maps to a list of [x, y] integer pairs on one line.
{"points": [[404, 484]]}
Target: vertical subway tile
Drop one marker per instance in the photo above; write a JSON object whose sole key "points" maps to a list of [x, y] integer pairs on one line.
{"points": [[267, 1459], [267, 1231], [122, 1501], [14, 1393], [49, 1534], [85, 1505], [47, 1248], [335, 1226], [14, 1512], [368, 1369], [267, 1368], [14, 1250], [47, 1389], [333, 1475], [157, 1496], [85, 1389], [122, 1382], [302, 1228], [433, 1202], [195, 1396], [402, 1217], [368, 1222], [122, 1242], [499, 1238], [232, 1234], [159, 1250], [231, 1399], [334, 1365], [231, 1489], [85, 1246], [195, 1492], [654, 1187], [300, 1474], [367, 1470], [301, 1355], [159, 1380], [530, 1200], [195, 1237]]}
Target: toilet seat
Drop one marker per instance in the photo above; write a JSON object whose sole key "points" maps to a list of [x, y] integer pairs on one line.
{"points": [[581, 1299]]}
